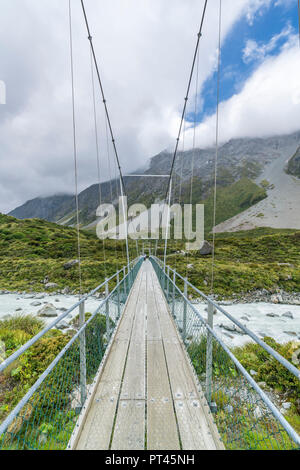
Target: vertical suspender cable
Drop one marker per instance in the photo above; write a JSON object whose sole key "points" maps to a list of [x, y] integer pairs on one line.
{"points": [[75, 148], [97, 153], [217, 148], [122, 185], [186, 100], [194, 149]]}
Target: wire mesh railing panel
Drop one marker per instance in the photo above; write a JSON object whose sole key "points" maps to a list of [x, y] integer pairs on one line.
{"points": [[45, 417], [244, 420]]}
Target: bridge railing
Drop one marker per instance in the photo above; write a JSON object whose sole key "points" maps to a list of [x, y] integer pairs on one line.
{"points": [[245, 415], [46, 415]]}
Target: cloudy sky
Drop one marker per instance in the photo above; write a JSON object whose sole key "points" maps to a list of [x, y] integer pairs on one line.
{"points": [[145, 49]]}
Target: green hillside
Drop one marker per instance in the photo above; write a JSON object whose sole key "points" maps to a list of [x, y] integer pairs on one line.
{"points": [[32, 249]]}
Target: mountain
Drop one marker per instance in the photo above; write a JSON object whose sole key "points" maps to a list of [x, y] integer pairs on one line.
{"points": [[293, 167], [259, 163], [48, 208]]}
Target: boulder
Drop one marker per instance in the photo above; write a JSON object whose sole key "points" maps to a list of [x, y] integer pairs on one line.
{"points": [[63, 325], [51, 285], [228, 408], [257, 413], [66, 291], [287, 405], [47, 311], [272, 315], [36, 303], [70, 264], [288, 315], [40, 296], [206, 249], [253, 372], [276, 299]]}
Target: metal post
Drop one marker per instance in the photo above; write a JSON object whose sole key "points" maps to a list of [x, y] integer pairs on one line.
{"points": [[184, 310], [173, 295], [209, 352], [167, 227], [168, 282], [118, 292], [82, 348], [124, 281], [107, 311]]}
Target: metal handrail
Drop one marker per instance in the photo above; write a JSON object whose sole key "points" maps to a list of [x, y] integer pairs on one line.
{"points": [[242, 327], [276, 413], [33, 340]]}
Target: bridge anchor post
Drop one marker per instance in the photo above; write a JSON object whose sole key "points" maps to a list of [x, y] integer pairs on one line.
{"points": [[82, 348], [107, 311], [124, 281], [173, 294], [118, 293], [184, 310], [209, 352]]}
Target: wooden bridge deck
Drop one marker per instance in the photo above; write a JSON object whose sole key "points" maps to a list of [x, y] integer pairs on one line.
{"points": [[146, 395]]}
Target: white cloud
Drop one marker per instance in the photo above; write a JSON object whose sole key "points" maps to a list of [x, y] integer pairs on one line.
{"points": [[268, 104], [256, 8], [258, 51], [145, 50]]}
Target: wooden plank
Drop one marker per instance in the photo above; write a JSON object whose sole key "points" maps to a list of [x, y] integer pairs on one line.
{"points": [[182, 383], [134, 383], [162, 432], [193, 428], [129, 432], [97, 429], [153, 325], [196, 427], [96, 432], [134, 386]]}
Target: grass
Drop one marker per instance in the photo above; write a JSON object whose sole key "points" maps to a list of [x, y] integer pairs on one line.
{"points": [[48, 419], [236, 400], [31, 250], [244, 262]]}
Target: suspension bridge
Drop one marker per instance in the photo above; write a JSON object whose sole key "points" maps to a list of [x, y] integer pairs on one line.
{"points": [[146, 371]]}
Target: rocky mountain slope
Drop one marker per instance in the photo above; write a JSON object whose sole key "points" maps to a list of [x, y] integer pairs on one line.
{"points": [[239, 160]]}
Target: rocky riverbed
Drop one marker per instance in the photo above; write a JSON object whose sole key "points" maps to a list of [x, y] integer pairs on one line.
{"points": [[43, 305], [280, 321]]}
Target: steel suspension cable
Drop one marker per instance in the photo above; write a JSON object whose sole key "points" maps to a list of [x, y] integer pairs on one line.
{"points": [[110, 180], [199, 35], [217, 149], [194, 150], [75, 148], [122, 185], [187, 96], [97, 154]]}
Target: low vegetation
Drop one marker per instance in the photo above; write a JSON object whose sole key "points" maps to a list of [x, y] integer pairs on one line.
{"points": [[241, 417], [48, 419], [244, 262], [32, 250]]}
